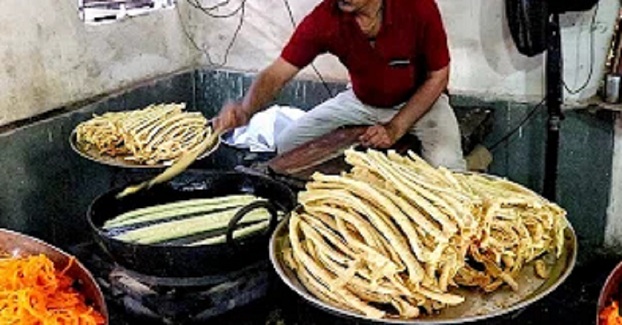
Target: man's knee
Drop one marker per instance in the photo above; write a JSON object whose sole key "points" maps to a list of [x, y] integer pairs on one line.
{"points": [[283, 141]]}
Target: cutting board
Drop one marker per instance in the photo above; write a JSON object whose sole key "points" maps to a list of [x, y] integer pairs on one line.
{"points": [[325, 154]]}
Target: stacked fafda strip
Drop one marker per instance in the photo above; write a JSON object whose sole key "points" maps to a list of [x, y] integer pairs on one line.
{"points": [[394, 234], [157, 133], [518, 227], [163, 133], [397, 254]]}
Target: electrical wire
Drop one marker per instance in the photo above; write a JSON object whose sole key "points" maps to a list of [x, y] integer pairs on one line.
{"points": [[189, 37], [208, 10], [522, 123], [315, 69], [241, 9], [592, 56], [218, 5]]}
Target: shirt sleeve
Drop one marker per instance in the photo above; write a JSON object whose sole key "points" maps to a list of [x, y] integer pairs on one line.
{"points": [[307, 42], [435, 39]]}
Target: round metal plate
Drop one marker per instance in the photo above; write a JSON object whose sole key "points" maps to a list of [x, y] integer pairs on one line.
{"points": [[20, 245], [477, 306], [95, 156]]}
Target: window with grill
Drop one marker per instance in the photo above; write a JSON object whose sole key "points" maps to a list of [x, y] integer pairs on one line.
{"points": [[100, 11]]}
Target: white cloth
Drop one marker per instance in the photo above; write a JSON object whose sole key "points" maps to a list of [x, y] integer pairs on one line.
{"points": [[263, 128], [437, 130]]}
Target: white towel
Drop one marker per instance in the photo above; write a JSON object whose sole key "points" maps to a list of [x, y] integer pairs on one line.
{"points": [[264, 127]]}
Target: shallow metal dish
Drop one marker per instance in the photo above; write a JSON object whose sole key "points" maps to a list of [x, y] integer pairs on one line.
{"points": [[20, 245], [95, 156], [477, 306]]}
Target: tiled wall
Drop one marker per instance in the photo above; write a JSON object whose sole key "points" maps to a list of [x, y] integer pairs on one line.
{"points": [[46, 188], [214, 88], [584, 170]]}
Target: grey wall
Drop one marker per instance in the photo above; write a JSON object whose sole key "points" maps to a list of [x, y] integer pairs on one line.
{"points": [[53, 59], [50, 58], [215, 87], [485, 62]]}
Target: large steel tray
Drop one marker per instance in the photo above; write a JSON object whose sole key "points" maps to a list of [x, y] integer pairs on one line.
{"points": [[478, 305]]}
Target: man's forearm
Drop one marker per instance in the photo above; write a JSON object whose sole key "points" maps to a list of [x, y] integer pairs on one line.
{"points": [[267, 85], [261, 92], [421, 102]]}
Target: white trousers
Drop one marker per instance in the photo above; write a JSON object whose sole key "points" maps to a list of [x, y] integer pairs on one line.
{"points": [[437, 130]]}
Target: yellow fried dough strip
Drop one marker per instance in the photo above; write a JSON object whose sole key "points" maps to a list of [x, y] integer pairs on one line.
{"points": [[323, 275], [328, 234], [446, 298], [449, 227], [319, 242], [384, 203], [387, 220], [362, 225], [413, 266], [320, 291], [416, 216], [404, 308], [382, 264]]}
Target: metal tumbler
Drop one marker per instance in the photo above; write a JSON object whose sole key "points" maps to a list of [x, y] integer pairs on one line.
{"points": [[612, 88]]}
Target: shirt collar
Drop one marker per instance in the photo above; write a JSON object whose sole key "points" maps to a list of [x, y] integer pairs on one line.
{"points": [[387, 15]]}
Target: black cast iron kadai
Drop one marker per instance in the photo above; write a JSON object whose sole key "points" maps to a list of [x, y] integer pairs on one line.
{"points": [[191, 261]]}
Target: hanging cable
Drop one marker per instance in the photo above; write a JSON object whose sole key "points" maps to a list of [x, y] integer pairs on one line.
{"points": [[241, 9], [522, 123], [592, 56], [208, 10]]}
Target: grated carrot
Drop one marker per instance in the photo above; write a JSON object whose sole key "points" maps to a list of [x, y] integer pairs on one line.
{"points": [[32, 292], [610, 315]]}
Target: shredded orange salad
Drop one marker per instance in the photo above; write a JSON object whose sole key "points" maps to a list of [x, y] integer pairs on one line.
{"points": [[32, 292], [610, 315]]}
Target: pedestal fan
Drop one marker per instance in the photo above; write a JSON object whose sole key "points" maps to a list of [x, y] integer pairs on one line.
{"points": [[534, 25]]}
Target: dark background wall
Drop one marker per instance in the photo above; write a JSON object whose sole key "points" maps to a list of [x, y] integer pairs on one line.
{"points": [[46, 188]]}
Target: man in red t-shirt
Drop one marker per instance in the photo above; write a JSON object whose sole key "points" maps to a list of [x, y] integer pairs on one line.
{"points": [[398, 61]]}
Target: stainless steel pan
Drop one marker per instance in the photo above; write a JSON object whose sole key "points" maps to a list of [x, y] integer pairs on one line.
{"points": [[477, 306]]}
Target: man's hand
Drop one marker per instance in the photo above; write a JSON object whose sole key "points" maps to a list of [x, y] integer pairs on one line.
{"points": [[267, 85], [380, 136], [231, 116], [385, 135]]}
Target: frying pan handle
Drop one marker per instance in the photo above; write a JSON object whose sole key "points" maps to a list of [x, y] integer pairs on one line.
{"points": [[233, 224]]}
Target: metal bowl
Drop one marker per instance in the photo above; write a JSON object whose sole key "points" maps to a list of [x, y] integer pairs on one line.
{"points": [[610, 290], [477, 306], [20, 245]]}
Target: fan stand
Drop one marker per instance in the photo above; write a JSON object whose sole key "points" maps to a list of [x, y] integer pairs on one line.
{"points": [[554, 98]]}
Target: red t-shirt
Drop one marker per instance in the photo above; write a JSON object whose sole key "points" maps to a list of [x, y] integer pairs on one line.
{"points": [[411, 42]]}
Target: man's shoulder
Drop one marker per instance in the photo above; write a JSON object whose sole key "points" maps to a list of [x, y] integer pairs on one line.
{"points": [[324, 16]]}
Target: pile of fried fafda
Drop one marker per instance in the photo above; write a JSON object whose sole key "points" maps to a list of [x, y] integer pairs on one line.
{"points": [[392, 236], [155, 134]]}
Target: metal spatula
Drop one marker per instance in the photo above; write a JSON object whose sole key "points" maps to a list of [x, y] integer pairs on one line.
{"points": [[177, 168]]}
